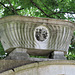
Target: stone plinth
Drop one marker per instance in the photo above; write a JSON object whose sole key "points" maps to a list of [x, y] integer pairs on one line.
{"points": [[18, 54], [39, 36]]}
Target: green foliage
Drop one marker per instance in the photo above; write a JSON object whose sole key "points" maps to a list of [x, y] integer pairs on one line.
{"points": [[2, 53], [71, 54], [43, 8], [1, 49], [38, 56]]}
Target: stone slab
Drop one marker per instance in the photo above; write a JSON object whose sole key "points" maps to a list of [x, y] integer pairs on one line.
{"points": [[22, 67], [10, 64]]}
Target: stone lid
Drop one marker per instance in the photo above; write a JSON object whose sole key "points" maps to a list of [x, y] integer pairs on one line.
{"points": [[37, 19]]}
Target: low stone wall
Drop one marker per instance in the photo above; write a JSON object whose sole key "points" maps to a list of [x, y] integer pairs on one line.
{"points": [[52, 67]]}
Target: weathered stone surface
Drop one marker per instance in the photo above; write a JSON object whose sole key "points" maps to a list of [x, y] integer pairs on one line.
{"points": [[10, 64], [59, 55], [52, 67], [20, 31], [39, 36], [18, 54]]}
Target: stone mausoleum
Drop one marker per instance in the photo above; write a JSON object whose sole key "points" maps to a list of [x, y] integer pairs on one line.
{"points": [[22, 36]]}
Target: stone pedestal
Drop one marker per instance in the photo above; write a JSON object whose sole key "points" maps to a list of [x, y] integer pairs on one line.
{"points": [[59, 55], [18, 54]]}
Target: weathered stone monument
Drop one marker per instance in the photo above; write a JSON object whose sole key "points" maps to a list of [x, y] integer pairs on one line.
{"points": [[22, 36], [35, 36]]}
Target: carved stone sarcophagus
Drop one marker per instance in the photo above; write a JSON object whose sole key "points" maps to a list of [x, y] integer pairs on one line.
{"points": [[39, 36]]}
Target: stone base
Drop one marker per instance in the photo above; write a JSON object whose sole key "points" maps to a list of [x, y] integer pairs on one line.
{"points": [[18, 54], [59, 55], [21, 54]]}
